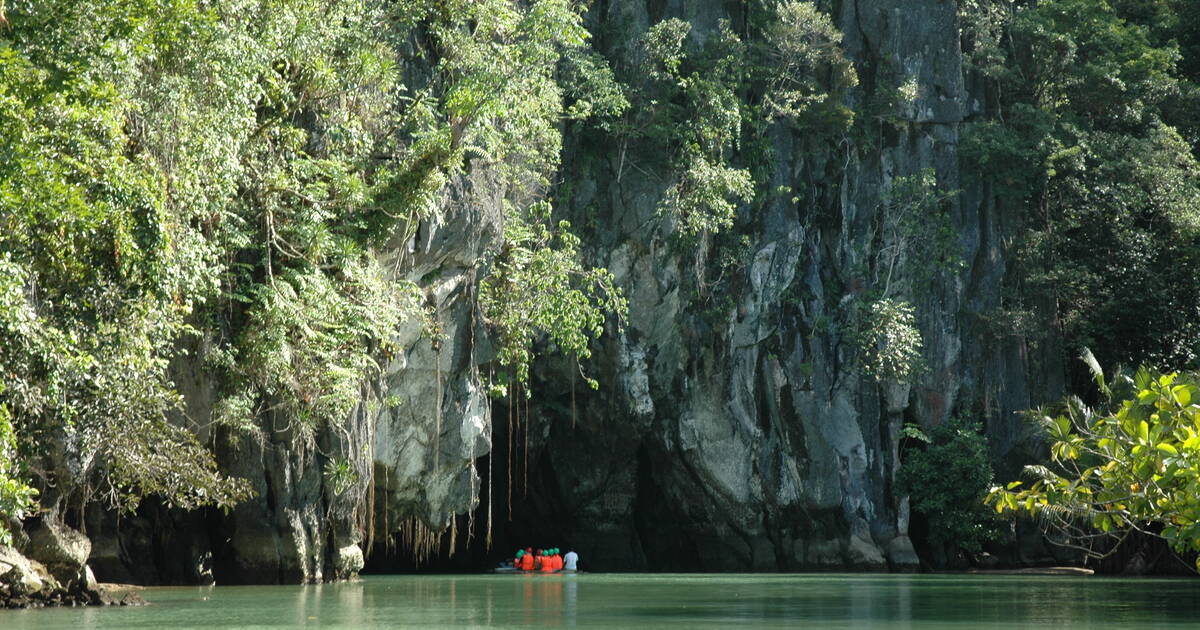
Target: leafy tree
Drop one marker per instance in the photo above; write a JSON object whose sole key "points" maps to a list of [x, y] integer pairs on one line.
{"points": [[914, 242], [1131, 465], [917, 240], [1082, 148], [946, 480], [538, 288], [889, 342], [701, 115], [806, 69]]}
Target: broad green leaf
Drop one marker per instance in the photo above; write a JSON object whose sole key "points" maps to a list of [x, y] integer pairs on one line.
{"points": [[1167, 448], [1182, 394]]}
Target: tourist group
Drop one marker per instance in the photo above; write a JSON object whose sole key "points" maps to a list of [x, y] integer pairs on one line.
{"points": [[543, 560]]}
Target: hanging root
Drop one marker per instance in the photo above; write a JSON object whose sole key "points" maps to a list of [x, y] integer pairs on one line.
{"points": [[491, 493], [421, 541], [437, 435], [424, 544], [525, 478], [508, 453]]}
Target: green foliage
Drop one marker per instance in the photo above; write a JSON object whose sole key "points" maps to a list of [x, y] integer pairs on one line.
{"points": [[1010, 155], [806, 68], [888, 341], [302, 344], [178, 173], [497, 61], [1077, 58], [914, 243], [1116, 194], [341, 475], [914, 432], [538, 287], [1085, 146], [664, 48], [591, 88], [704, 197], [698, 112], [16, 498], [700, 98], [498, 90], [946, 480], [1132, 464], [918, 240], [95, 276], [1089, 59]]}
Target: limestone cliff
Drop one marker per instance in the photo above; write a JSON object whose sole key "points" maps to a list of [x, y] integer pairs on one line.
{"points": [[751, 440], [729, 432]]}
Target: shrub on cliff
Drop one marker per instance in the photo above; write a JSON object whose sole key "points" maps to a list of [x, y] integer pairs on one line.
{"points": [[1131, 464], [16, 497], [946, 479]]}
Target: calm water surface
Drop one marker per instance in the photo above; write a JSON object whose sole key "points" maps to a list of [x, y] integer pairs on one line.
{"points": [[656, 601]]}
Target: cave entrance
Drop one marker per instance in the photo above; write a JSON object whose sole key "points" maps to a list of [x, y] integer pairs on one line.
{"points": [[527, 510]]}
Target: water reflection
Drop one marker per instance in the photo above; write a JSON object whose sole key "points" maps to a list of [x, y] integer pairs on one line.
{"points": [[903, 614], [691, 602], [571, 588], [541, 601], [351, 601]]}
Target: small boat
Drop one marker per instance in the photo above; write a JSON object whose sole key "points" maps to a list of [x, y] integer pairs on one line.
{"points": [[535, 571]]}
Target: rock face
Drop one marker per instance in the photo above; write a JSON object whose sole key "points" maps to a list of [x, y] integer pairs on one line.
{"points": [[438, 421], [750, 440], [26, 583], [62, 550], [21, 577]]}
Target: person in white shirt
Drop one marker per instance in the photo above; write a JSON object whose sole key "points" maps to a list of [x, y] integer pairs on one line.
{"points": [[571, 561]]}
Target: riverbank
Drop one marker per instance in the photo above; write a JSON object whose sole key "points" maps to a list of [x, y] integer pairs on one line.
{"points": [[26, 583], [1081, 571]]}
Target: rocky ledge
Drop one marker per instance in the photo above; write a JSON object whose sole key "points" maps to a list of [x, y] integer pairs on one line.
{"points": [[26, 583]]}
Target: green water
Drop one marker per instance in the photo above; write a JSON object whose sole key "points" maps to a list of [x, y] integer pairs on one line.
{"points": [[656, 601]]}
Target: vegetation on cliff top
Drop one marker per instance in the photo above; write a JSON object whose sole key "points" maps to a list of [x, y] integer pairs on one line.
{"points": [[218, 181], [1091, 142]]}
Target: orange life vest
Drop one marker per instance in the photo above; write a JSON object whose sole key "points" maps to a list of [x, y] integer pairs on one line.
{"points": [[526, 562], [558, 562], [547, 564]]}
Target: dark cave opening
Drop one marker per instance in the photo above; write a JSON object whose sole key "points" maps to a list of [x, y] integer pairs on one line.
{"points": [[526, 511]]}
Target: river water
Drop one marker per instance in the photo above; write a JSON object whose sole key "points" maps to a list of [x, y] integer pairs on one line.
{"points": [[868, 602]]}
